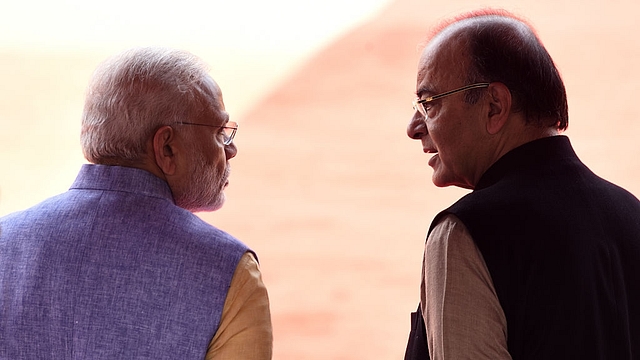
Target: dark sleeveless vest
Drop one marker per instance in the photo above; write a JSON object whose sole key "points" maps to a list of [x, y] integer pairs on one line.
{"points": [[563, 249]]}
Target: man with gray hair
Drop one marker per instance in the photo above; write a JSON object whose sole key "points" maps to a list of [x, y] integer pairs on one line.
{"points": [[119, 267]]}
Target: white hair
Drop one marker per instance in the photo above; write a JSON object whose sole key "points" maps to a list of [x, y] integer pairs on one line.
{"points": [[133, 94]]}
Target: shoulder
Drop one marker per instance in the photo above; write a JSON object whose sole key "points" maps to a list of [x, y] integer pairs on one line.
{"points": [[446, 224], [42, 212], [196, 226], [187, 227], [448, 232]]}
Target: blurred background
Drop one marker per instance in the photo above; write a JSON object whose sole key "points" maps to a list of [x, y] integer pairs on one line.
{"points": [[326, 187]]}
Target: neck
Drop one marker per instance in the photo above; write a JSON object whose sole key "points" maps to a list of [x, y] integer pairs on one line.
{"points": [[510, 139], [146, 163]]}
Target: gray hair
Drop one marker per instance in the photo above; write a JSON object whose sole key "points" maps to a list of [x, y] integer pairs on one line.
{"points": [[133, 94]]}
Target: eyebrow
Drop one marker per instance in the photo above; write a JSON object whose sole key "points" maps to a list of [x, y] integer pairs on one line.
{"points": [[424, 90]]}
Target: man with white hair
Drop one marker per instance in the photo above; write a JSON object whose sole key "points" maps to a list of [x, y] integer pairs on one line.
{"points": [[119, 267]]}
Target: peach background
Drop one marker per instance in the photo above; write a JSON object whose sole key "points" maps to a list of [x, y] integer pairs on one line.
{"points": [[326, 187]]}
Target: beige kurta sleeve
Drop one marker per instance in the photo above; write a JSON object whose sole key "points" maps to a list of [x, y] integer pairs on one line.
{"points": [[462, 314], [245, 327]]}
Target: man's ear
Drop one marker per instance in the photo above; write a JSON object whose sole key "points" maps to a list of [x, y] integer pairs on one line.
{"points": [[499, 107], [164, 149]]}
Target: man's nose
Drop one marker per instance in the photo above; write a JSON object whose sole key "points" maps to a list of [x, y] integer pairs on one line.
{"points": [[417, 127], [230, 150]]}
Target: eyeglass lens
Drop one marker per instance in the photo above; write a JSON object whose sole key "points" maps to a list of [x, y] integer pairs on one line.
{"points": [[419, 107]]}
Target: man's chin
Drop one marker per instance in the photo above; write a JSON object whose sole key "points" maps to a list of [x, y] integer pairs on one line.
{"points": [[442, 182], [216, 205], [199, 206], [440, 179]]}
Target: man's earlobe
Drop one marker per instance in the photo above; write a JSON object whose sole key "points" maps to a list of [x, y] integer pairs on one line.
{"points": [[499, 107], [164, 149]]}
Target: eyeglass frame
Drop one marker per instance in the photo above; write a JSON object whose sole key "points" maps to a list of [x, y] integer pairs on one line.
{"points": [[418, 104], [228, 139]]}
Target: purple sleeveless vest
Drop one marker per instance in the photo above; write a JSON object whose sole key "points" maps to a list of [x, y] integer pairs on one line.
{"points": [[112, 269]]}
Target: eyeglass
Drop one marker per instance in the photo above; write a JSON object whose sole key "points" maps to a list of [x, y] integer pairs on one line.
{"points": [[419, 104], [230, 129]]}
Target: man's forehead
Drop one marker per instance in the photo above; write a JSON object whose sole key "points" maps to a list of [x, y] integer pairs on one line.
{"points": [[211, 86], [213, 91], [443, 59]]}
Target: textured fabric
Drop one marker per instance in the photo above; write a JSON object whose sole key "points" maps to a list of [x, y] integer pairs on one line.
{"points": [[245, 326], [563, 249], [112, 269], [462, 313]]}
